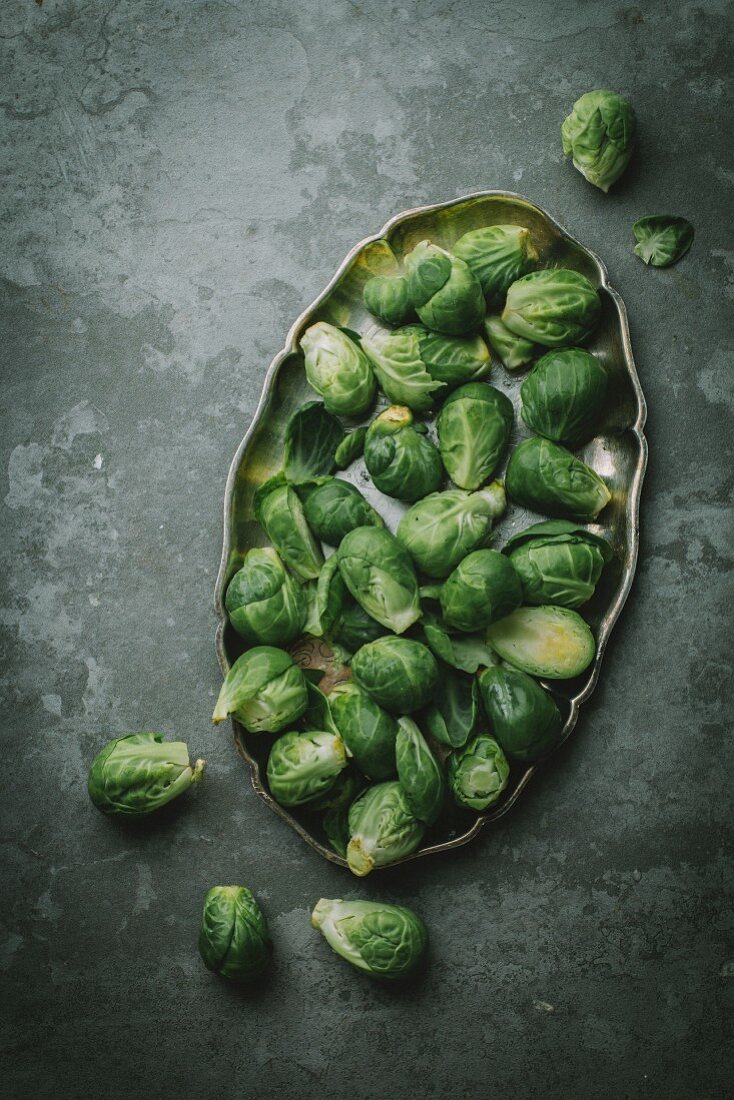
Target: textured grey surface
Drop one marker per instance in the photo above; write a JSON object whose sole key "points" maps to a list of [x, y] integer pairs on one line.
{"points": [[180, 181]]}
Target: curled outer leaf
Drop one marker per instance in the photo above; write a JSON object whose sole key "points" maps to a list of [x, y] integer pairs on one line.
{"points": [[312, 436], [419, 772], [279, 512], [350, 448], [662, 239]]}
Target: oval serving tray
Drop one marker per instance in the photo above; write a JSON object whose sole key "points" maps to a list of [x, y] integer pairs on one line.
{"points": [[618, 452]]}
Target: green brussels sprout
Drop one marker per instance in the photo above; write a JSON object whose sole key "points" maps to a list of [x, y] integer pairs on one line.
{"points": [[139, 773], [498, 255], [563, 395], [388, 297], [547, 478], [402, 462], [525, 719], [382, 828], [333, 507], [558, 562], [446, 294], [378, 572], [599, 135], [265, 605], [385, 941], [279, 512], [466, 652], [511, 350], [302, 766], [456, 713], [400, 674], [662, 239], [367, 730], [550, 642], [234, 940], [312, 438], [338, 369], [351, 448], [335, 805], [420, 774], [440, 530], [326, 599], [554, 307], [480, 590], [474, 428], [356, 628], [264, 690], [478, 773]]}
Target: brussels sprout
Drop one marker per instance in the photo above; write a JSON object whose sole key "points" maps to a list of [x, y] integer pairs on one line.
{"points": [[419, 772], [265, 605], [139, 773], [547, 478], [382, 828], [280, 513], [498, 255], [368, 731], [551, 642], [402, 462], [558, 562], [312, 437], [302, 766], [234, 940], [400, 674], [599, 134], [525, 719], [563, 395], [456, 714], [440, 530], [473, 428], [446, 294], [264, 690], [333, 507], [356, 628], [387, 296], [662, 239], [325, 600], [454, 360], [478, 773], [480, 590], [511, 350], [338, 369], [554, 307], [386, 941], [350, 448], [466, 652], [378, 572]]}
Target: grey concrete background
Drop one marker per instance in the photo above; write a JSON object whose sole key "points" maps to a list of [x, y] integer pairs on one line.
{"points": [[180, 180]]}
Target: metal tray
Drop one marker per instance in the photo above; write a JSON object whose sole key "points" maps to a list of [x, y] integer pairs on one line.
{"points": [[618, 452]]}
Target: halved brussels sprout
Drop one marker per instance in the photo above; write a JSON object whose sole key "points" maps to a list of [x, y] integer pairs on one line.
{"points": [[234, 940], [456, 713], [445, 292], [139, 773], [326, 599], [525, 719], [558, 562], [312, 437], [511, 350], [473, 428], [555, 307], [279, 512], [338, 369], [545, 477], [466, 652], [478, 773], [303, 766], [484, 587], [265, 605], [378, 572], [662, 239], [402, 461], [400, 674], [356, 628], [382, 828], [350, 448], [385, 941], [599, 134], [334, 507], [388, 297], [368, 731], [563, 395], [551, 642], [420, 774], [440, 530], [498, 255], [264, 690]]}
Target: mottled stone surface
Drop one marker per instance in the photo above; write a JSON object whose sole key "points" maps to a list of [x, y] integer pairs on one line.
{"points": [[180, 180]]}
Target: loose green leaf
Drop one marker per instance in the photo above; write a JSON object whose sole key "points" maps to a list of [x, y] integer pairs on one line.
{"points": [[662, 239], [312, 436]]}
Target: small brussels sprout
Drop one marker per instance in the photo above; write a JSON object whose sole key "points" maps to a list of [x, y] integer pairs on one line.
{"points": [[563, 395], [385, 941], [511, 350], [478, 773], [303, 766], [498, 255], [139, 773], [400, 674], [662, 239], [356, 628], [558, 562], [368, 731], [466, 652], [402, 462], [599, 135], [378, 572], [234, 940], [350, 448], [387, 296], [333, 507], [265, 605], [525, 719], [280, 513], [312, 437], [264, 690], [480, 590], [551, 642], [338, 369], [382, 828], [547, 478], [440, 530], [456, 713], [325, 600], [554, 307], [473, 428], [419, 772], [446, 294]]}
